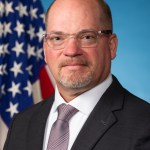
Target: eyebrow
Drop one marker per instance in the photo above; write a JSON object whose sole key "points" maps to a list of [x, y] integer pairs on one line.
{"points": [[61, 32], [57, 32]]}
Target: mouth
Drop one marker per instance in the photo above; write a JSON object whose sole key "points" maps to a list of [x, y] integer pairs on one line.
{"points": [[74, 66]]}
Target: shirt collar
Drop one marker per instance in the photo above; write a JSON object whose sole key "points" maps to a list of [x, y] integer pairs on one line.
{"points": [[86, 101]]}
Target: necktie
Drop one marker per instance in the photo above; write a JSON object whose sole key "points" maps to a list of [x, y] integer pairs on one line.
{"points": [[59, 136]]}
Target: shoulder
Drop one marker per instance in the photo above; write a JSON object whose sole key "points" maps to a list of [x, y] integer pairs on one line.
{"points": [[37, 109], [129, 99], [24, 123], [129, 104], [136, 104]]}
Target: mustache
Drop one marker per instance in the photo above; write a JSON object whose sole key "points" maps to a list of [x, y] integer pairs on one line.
{"points": [[72, 61]]}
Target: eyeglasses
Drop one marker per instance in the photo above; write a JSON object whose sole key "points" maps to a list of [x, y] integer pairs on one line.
{"points": [[84, 38]]}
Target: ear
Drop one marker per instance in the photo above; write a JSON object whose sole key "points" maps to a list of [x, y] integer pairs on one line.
{"points": [[45, 48], [113, 44]]}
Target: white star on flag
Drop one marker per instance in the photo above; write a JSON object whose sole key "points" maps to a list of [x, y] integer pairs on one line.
{"points": [[22, 10], [39, 54], [33, 12], [1, 50], [1, 29], [28, 88], [1, 69], [40, 34], [16, 69], [8, 8], [4, 69], [43, 17], [1, 8], [31, 32], [7, 29], [14, 89], [5, 49], [18, 48], [3, 89], [19, 28], [29, 69], [12, 109], [31, 51]]}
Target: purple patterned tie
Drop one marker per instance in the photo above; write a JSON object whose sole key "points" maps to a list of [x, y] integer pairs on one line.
{"points": [[59, 136]]}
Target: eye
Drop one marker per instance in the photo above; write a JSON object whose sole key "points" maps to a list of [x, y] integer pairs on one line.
{"points": [[56, 38], [87, 36]]}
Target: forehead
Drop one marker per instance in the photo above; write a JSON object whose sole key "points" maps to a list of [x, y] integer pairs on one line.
{"points": [[73, 15]]}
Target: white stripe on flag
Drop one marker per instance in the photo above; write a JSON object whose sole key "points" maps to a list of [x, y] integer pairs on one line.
{"points": [[37, 96], [3, 133]]}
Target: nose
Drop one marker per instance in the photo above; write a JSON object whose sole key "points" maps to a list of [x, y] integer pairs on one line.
{"points": [[72, 48]]}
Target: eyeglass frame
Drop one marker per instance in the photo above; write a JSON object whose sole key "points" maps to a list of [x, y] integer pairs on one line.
{"points": [[74, 35]]}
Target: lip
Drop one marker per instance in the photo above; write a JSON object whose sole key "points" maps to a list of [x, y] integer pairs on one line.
{"points": [[74, 66]]}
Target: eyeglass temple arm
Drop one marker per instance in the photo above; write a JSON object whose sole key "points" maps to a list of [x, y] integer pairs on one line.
{"points": [[105, 31]]}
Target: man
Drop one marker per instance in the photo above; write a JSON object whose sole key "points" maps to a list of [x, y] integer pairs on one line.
{"points": [[79, 46]]}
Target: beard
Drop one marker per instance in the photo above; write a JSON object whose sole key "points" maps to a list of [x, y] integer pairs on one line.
{"points": [[75, 79]]}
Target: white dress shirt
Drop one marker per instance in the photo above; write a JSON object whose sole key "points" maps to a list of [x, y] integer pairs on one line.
{"points": [[85, 103]]}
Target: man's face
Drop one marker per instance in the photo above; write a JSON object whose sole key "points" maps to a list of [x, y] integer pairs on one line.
{"points": [[74, 67]]}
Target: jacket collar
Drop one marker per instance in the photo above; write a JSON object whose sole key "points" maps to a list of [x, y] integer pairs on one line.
{"points": [[102, 117]]}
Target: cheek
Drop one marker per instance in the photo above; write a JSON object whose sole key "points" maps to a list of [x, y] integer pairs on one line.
{"points": [[51, 60], [100, 60], [95, 57]]}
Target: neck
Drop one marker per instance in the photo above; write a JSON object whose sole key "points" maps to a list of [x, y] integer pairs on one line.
{"points": [[70, 94]]}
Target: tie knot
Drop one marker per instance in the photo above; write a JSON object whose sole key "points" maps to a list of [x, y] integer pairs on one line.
{"points": [[65, 112]]}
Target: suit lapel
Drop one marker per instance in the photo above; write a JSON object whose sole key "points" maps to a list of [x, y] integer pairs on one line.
{"points": [[37, 125], [101, 119]]}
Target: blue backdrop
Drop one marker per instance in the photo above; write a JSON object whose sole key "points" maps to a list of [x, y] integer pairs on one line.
{"points": [[132, 25]]}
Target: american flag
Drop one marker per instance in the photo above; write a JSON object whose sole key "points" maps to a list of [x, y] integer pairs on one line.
{"points": [[22, 66]]}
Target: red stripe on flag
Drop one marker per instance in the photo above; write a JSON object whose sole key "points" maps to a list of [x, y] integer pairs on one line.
{"points": [[46, 85]]}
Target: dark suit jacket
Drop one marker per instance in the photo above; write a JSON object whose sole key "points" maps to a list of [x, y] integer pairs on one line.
{"points": [[120, 121]]}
